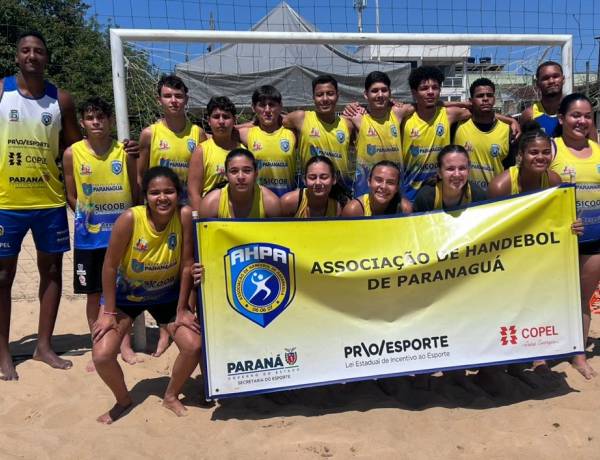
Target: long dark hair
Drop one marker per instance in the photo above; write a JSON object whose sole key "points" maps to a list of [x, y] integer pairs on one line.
{"points": [[394, 204]]}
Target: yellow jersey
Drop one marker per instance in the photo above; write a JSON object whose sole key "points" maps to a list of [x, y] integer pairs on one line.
{"points": [[275, 155], [302, 211], [365, 202], [103, 193], [513, 172], [486, 150], [256, 212], [149, 271], [174, 150], [331, 140], [377, 140], [585, 174], [421, 142], [30, 170], [213, 157]]}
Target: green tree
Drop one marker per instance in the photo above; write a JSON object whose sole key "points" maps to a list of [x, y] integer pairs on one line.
{"points": [[80, 53]]}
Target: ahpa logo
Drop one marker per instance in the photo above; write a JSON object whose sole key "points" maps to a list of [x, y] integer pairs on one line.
{"points": [[88, 189], [191, 145], [495, 150], [439, 130], [260, 280], [340, 136], [508, 335], [394, 131], [46, 118], [284, 144], [117, 167]]}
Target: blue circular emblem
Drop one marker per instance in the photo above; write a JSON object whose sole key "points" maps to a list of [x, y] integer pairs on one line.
{"points": [[191, 145], [261, 288], [285, 145], [340, 136], [495, 150], [394, 130], [371, 149], [439, 130]]}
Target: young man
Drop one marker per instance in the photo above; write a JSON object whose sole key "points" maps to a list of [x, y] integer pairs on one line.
{"points": [[323, 132], [427, 130], [35, 117], [273, 146], [172, 139], [378, 131], [207, 165], [100, 183], [484, 137]]}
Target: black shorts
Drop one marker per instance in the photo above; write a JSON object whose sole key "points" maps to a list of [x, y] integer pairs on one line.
{"points": [[87, 270], [590, 248], [163, 313]]}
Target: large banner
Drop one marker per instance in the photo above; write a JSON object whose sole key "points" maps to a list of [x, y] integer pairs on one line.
{"points": [[294, 303]]}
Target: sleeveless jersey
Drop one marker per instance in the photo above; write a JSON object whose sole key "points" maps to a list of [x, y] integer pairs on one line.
{"points": [[377, 140], [513, 172], [486, 150], [327, 139], [438, 202], [421, 142], [103, 193], [174, 150], [213, 157], [30, 175], [149, 271], [302, 211], [548, 123], [365, 201], [275, 154], [257, 211], [585, 173]]}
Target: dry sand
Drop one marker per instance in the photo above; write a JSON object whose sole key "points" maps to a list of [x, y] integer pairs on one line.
{"points": [[51, 413]]}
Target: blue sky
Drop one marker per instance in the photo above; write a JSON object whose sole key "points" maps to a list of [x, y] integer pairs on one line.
{"points": [[578, 17]]}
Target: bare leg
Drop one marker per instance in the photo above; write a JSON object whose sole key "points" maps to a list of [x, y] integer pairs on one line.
{"points": [[127, 353], [8, 268], [92, 307], [104, 354], [163, 341], [50, 268], [189, 344], [589, 272]]}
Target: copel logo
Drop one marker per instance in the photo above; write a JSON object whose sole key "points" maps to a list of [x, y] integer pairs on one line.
{"points": [[511, 335]]}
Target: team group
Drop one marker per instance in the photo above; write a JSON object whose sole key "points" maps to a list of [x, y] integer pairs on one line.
{"points": [[133, 202]]}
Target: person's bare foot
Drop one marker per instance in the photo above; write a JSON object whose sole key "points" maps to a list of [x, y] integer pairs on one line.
{"points": [[7, 368], [163, 344], [117, 411], [89, 367], [174, 405], [51, 359], [129, 356], [580, 363]]}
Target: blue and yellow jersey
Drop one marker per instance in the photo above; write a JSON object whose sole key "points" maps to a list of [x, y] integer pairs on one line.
{"points": [[257, 211], [549, 123], [331, 140], [30, 175], [174, 150], [421, 142], [377, 140], [213, 157], [486, 150], [149, 271], [103, 193], [275, 155], [585, 174]]}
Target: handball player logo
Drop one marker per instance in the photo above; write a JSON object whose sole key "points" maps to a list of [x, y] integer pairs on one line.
{"points": [[285, 145], [508, 335], [439, 130], [46, 118], [371, 149], [495, 150], [191, 145], [394, 131], [340, 136], [87, 189], [117, 167], [172, 241], [291, 356], [260, 280]]}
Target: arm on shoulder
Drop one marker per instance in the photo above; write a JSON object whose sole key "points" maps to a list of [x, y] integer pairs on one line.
{"points": [[294, 120], [457, 114]]}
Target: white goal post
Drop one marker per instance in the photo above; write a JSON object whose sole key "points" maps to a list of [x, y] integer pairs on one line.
{"points": [[117, 37]]}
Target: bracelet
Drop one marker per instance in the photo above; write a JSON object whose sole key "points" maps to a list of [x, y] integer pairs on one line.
{"points": [[111, 313]]}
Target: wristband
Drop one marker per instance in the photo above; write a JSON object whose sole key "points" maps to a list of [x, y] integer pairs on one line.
{"points": [[111, 313]]}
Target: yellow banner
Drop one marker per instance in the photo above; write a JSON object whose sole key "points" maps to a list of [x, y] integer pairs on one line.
{"points": [[293, 303]]}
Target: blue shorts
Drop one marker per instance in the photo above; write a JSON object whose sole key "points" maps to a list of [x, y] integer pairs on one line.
{"points": [[49, 227]]}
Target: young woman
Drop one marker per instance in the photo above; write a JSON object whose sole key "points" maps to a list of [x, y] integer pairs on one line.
{"points": [[242, 197], [531, 172], [451, 188], [576, 160], [147, 267], [316, 200], [384, 194]]}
